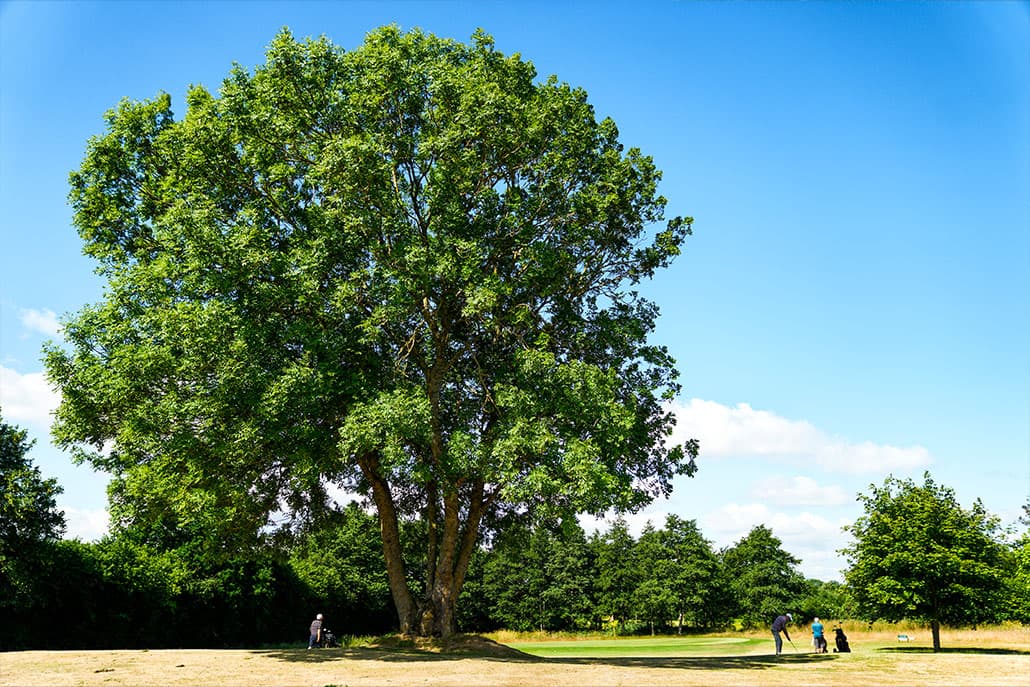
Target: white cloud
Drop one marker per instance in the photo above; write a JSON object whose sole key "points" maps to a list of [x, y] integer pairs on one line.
{"points": [[42, 321], [635, 522], [87, 525], [340, 496], [731, 522], [26, 398], [811, 538], [798, 491], [742, 431]]}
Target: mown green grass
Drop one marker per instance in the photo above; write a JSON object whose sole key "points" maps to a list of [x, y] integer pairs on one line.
{"points": [[638, 647]]}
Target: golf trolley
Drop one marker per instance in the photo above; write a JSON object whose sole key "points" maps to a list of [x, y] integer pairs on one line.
{"points": [[328, 641], [841, 640]]}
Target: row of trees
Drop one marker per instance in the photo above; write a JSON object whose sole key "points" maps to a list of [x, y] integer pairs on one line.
{"points": [[151, 584], [670, 578], [139, 587], [129, 591]]}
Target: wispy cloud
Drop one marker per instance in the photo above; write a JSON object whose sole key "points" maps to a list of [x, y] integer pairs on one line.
{"points": [[798, 491], [41, 321], [741, 431], [26, 398]]}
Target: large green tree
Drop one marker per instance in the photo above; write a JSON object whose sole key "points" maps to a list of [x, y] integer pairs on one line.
{"points": [[918, 554], [692, 573], [408, 270], [763, 577], [618, 574], [654, 599]]}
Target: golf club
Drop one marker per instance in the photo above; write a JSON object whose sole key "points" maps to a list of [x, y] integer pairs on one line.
{"points": [[792, 644]]}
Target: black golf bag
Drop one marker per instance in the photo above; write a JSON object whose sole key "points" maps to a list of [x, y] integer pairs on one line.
{"points": [[328, 639], [842, 641]]}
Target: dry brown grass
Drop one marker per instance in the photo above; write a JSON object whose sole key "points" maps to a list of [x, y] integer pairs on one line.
{"points": [[998, 656]]}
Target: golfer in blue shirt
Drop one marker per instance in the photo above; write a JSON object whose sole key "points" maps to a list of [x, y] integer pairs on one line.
{"points": [[817, 637]]}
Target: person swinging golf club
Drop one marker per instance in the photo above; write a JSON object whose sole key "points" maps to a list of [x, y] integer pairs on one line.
{"points": [[780, 625]]}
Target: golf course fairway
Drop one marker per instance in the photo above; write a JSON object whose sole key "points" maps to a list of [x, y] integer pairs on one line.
{"points": [[647, 646]]}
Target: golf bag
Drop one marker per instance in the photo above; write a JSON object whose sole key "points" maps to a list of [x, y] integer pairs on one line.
{"points": [[842, 641], [328, 639]]}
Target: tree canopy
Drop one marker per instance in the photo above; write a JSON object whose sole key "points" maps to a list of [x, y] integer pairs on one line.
{"points": [[763, 577], [918, 554], [406, 270], [28, 506], [29, 522]]}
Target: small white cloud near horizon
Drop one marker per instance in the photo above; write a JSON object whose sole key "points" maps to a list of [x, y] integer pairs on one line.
{"points": [[27, 398], [635, 522], [85, 525], [41, 321], [742, 431], [812, 538], [798, 491]]}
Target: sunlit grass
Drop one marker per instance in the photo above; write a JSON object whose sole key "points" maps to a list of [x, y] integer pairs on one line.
{"points": [[985, 657], [861, 636], [643, 646]]}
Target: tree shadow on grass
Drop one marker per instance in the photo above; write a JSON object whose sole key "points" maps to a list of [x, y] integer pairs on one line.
{"points": [[954, 650], [753, 662]]}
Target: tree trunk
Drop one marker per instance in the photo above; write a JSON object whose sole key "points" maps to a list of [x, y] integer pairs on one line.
{"points": [[402, 599], [449, 551], [457, 544], [935, 627]]}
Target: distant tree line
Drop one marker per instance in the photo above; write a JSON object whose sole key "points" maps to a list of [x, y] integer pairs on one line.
{"points": [[154, 583]]}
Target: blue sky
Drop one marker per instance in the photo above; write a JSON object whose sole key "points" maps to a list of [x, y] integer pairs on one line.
{"points": [[853, 304]]}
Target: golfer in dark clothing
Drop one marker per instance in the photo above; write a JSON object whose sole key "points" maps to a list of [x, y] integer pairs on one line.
{"points": [[315, 638], [780, 625]]}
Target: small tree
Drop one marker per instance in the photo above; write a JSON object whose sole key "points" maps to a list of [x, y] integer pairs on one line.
{"points": [[1018, 583], [29, 525], [695, 580], [919, 555], [827, 599], [1019, 579], [654, 599], [28, 510], [680, 575], [341, 563], [617, 572]]}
